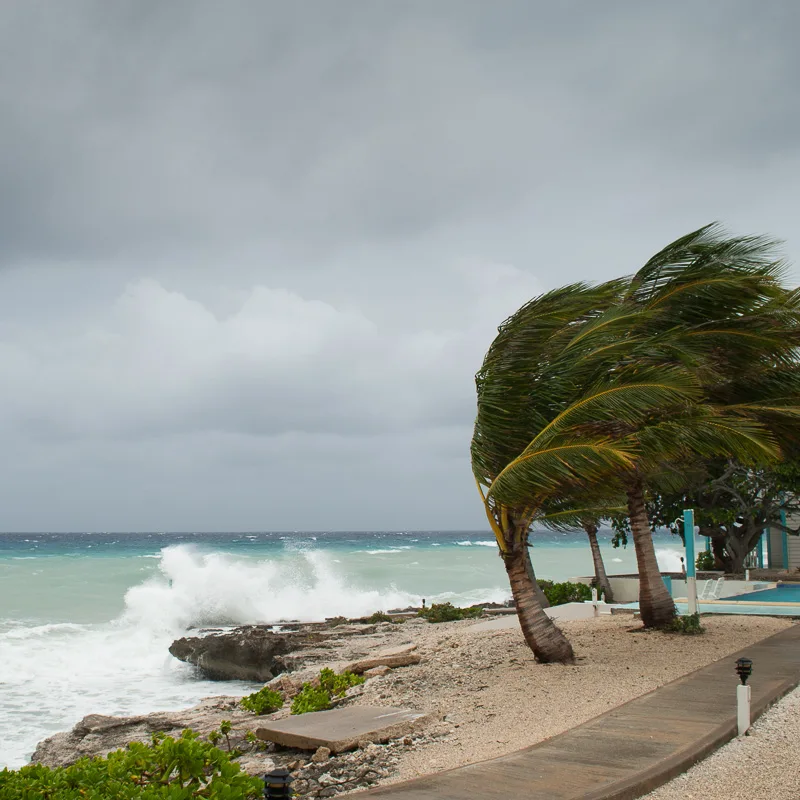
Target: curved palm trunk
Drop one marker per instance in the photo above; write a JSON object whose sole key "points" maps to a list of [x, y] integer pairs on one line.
{"points": [[655, 603], [600, 577], [540, 595], [541, 634]]}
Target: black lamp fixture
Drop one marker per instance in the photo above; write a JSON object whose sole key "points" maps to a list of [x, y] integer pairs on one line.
{"points": [[278, 785], [744, 669]]}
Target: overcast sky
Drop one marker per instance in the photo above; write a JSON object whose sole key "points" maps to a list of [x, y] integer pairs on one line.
{"points": [[252, 253]]}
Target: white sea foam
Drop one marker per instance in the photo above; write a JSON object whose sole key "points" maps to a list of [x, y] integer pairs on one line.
{"points": [[477, 544], [213, 589], [669, 560], [26, 632]]}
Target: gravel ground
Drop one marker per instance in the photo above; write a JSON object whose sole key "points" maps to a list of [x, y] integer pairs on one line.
{"points": [[763, 764], [492, 697]]}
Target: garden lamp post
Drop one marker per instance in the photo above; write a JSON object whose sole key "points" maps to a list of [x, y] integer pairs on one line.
{"points": [[278, 785], [744, 669]]}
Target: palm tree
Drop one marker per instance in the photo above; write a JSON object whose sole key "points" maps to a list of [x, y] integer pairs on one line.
{"points": [[590, 526], [659, 356], [526, 380]]}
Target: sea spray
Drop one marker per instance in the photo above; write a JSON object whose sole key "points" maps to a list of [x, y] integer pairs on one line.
{"points": [[203, 589]]}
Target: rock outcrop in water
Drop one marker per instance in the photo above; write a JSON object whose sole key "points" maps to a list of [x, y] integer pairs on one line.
{"points": [[257, 653], [251, 653]]}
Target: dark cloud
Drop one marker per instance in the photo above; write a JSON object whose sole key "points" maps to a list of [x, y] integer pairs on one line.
{"points": [[222, 225]]}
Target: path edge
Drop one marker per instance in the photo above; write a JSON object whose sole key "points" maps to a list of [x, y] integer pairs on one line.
{"points": [[650, 779]]}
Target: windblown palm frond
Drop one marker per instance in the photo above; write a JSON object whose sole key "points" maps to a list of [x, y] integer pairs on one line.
{"points": [[704, 261], [561, 469], [519, 388]]}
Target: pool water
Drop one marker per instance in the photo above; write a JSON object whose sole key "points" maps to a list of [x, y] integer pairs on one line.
{"points": [[781, 594]]}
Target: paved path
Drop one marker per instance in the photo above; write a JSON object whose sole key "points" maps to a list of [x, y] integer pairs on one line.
{"points": [[631, 750], [565, 612]]}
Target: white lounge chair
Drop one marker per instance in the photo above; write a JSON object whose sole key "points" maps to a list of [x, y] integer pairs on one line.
{"points": [[712, 589]]}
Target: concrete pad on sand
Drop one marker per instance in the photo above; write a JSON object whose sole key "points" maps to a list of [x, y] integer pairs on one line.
{"points": [[565, 611], [342, 728]]}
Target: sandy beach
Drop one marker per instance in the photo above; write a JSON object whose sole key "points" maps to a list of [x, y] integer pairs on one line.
{"points": [[492, 697]]}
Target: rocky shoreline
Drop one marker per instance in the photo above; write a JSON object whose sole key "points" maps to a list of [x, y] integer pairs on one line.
{"points": [[481, 691]]}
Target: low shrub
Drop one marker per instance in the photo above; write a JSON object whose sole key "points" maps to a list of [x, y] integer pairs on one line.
{"points": [[559, 593], [688, 625], [264, 701], [170, 769], [318, 698], [311, 698], [379, 616], [337, 685], [705, 560], [447, 612]]}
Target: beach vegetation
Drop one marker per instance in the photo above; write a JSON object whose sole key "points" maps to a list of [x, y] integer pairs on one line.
{"points": [[447, 612], [313, 697], [167, 768], [380, 616], [337, 684], [688, 625], [566, 592], [704, 560], [264, 701]]}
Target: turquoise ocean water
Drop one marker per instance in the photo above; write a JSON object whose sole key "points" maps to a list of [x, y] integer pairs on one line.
{"points": [[86, 619]]}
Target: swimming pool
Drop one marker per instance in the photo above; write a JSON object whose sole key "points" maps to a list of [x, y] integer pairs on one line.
{"points": [[786, 593], [721, 607]]}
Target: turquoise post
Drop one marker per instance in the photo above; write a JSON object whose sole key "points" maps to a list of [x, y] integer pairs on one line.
{"points": [[688, 540], [688, 543], [760, 551], [784, 541]]}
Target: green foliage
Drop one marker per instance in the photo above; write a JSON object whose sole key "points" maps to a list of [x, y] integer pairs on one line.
{"points": [[447, 612], [379, 616], [337, 685], [705, 560], [688, 625], [318, 698], [311, 698], [167, 769], [559, 593], [264, 701]]}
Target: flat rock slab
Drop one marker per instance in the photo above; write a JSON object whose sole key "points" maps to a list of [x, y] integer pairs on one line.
{"points": [[401, 656], [342, 728]]}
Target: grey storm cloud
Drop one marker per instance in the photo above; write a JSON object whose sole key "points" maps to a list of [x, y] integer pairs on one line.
{"points": [[252, 253]]}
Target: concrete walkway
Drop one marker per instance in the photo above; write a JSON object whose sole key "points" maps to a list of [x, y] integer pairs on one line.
{"points": [[629, 751], [565, 612]]}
